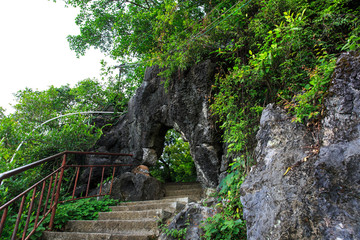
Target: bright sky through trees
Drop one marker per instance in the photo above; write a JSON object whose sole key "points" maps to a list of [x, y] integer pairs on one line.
{"points": [[34, 51]]}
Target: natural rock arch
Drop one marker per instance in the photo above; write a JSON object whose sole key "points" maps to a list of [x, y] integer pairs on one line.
{"points": [[184, 106]]}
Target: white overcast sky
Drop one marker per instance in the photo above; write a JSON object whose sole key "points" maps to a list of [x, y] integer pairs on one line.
{"points": [[34, 51]]}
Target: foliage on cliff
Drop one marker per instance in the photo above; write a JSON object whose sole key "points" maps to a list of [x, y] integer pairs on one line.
{"points": [[266, 51]]}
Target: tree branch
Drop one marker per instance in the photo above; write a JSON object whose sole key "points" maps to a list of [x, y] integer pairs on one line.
{"points": [[155, 2], [147, 3], [165, 163], [136, 4]]}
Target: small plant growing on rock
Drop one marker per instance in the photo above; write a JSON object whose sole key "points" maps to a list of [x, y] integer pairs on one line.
{"points": [[178, 234], [227, 223]]}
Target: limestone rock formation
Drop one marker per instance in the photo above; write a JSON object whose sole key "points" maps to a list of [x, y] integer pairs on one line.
{"points": [[318, 198], [183, 106]]}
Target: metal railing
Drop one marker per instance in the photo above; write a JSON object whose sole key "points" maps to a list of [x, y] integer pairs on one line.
{"points": [[45, 194]]}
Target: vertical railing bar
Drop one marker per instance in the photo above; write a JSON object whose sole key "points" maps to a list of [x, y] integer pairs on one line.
{"points": [[3, 219], [42, 220], [112, 180], [53, 190], [88, 185], [39, 205], [48, 194], [13, 237], [76, 180], [29, 213], [102, 179], [57, 193]]}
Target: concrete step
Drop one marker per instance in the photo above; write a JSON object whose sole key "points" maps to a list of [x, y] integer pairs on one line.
{"points": [[134, 215], [174, 199], [180, 186], [182, 183], [167, 206], [113, 226], [184, 192], [97, 236], [193, 198]]}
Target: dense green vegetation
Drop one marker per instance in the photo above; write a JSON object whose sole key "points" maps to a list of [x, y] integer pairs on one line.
{"points": [[228, 223], [280, 51], [83, 209]]}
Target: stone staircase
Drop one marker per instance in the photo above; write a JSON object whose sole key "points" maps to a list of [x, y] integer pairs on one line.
{"points": [[131, 220]]}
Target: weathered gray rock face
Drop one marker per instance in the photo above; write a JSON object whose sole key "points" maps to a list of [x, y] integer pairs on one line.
{"points": [[337, 170], [191, 217], [318, 198], [274, 202], [183, 106]]}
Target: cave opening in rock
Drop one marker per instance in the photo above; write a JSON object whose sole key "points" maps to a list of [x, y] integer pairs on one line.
{"points": [[176, 163]]}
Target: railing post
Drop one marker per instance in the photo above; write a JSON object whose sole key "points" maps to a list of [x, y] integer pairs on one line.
{"points": [[51, 224], [3, 219]]}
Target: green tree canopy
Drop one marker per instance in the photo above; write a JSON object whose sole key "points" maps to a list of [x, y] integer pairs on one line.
{"points": [[75, 132], [131, 28], [177, 34]]}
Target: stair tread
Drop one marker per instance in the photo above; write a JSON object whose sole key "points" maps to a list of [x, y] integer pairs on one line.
{"points": [[114, 220], [112, 226], [177, 199], [185, 190], [182, 183], [164, 206], [127, 233], [143, 235], [148, 210], [128, 215], [193, 198], [173, 186]]}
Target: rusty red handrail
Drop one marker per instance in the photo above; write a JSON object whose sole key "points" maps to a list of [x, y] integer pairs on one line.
{"points": [[50, 186], [18, 170]]}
